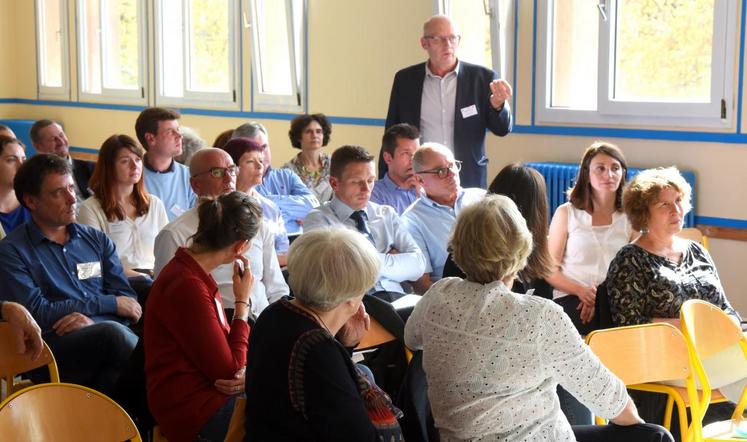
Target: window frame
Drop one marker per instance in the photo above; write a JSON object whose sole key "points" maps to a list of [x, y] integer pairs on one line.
{"points": [[640, 113], [53, 92], [230, 100], [112, 95], [296, 101]]}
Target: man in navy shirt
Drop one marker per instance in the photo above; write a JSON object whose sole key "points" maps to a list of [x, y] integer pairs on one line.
{"points": [[69, 277]]}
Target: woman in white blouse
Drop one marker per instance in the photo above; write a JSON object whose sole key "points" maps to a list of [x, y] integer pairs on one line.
{"points": [[587, 231], [122, 208], [493, 357]]}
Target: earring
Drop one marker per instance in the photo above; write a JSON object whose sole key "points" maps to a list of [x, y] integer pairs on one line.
{"points": [[644, 230]]}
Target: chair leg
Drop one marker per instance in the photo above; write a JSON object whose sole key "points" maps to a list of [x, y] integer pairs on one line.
{"points": [[682, 412], [668, 412]]}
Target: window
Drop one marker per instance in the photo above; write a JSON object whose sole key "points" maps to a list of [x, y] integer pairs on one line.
{"points": [[197, 58], [642, 62], [52, 56], [110, 50], [278, 54]]}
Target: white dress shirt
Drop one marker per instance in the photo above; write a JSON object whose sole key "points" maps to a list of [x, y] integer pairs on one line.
{"points": [[133, 238], [493, 359], [407, 264], [269, 285]]}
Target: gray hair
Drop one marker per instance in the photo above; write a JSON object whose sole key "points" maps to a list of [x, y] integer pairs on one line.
{"points": [[329, 266], [191, 143], [418, 159], [249, 130]]}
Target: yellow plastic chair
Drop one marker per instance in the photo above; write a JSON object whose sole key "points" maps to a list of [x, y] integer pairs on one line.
{"points": [[694, 234], [12, 363], [710, 332], [644, 355], [65, 413]]}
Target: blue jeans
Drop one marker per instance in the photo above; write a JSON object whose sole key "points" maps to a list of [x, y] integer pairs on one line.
{"points": [[92, 356], [216, 428]]}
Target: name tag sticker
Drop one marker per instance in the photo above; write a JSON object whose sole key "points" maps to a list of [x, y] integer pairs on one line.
{"points": [[87, 270], [176, 210], [469, 111]]}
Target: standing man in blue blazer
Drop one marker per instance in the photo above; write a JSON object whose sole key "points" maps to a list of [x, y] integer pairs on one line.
{"points": [[452, 102]]}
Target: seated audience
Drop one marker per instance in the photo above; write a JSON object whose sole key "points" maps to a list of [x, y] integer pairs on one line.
{"points": [[399, 187], [69, 277], [159, 133], [194, 358], [48, 137], [301, 383], [650, 279], [310, 133], [493, 357], [352, 177], [587, 231], [431, 218], [214, 174], [282, 186], [223, 138], [121, 208], [26, 331], [191, 143], [249, 159], [12, 212]]}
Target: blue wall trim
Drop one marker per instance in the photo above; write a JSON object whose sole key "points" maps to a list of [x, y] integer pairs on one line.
{"points": [[721, 222]]}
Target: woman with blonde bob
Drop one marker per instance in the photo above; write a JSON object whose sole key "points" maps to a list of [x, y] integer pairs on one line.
{"points": [[493, 358], [302, 384]]}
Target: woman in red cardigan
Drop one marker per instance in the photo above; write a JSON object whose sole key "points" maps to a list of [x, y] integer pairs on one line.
{"points": [[195, 359]]}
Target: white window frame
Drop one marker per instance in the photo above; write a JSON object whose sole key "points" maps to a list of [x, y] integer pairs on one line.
{"points": [[53, 92], [295, 102], [648, 114], [127, 96], [230, 100]]}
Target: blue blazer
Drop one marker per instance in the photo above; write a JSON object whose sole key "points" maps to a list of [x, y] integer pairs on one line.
{"points": [[473, 87]]}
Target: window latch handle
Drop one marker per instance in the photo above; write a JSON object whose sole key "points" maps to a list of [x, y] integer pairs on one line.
{"points": [[602, 10]]}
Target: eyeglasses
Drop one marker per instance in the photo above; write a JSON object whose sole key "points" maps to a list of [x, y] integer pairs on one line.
{"points": [[218, 172], [443, 172], [442, 39]]}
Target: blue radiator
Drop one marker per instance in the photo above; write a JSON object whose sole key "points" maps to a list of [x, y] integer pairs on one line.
{"points": [[559, 177]]}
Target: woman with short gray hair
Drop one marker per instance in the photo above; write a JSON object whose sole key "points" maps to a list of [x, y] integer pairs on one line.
{"points": [[493, 358], [302, 384]]}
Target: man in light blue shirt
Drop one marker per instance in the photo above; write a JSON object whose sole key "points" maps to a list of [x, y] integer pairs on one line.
{"points": [[432, 217], [352, 177], [158, 131], [399, 187], [281, 186]]}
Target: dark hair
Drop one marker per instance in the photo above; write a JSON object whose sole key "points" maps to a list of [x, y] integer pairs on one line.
{"points": [[5, 140], [37, 127], [391, 135], [31, 174], [345, 155], [104, 176], [239, 146], [226, 219], [147, 122], [299, 123], [222, 138], [526, 187], [580, 195]]}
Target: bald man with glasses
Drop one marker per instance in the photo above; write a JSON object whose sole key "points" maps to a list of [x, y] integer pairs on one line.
{"points": [[452, 102], [431, 218]]}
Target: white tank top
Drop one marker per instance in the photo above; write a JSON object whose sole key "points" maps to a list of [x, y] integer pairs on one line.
{"points": [[590, 249]]}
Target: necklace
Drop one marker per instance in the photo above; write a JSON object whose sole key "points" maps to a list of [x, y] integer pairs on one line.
{"points": [[319, 319]]}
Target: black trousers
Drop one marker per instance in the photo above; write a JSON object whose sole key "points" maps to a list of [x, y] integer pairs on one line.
{"points": [[615, 433]]}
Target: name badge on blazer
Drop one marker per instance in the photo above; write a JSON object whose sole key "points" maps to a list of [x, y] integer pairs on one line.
{"points": [[87, 270], [469, 111]]}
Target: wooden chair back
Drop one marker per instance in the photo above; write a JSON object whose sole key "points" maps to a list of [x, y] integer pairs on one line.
{"points": [[375, 336], [12, 363], [694, 234], [710, 329], [65, 412]]}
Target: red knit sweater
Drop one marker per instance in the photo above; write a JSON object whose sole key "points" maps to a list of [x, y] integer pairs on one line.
{"points": [[188, 346]]}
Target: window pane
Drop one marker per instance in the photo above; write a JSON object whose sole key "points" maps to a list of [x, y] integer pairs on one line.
{"points": [[272, 40], [664, 50], [209, 62], [474, 26], [121, 43], [91, 50], [50, 42], [575, 35], [172, 49]]}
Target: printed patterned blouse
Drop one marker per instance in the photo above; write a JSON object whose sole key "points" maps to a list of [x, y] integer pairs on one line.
{"points": [[317, 181]]}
